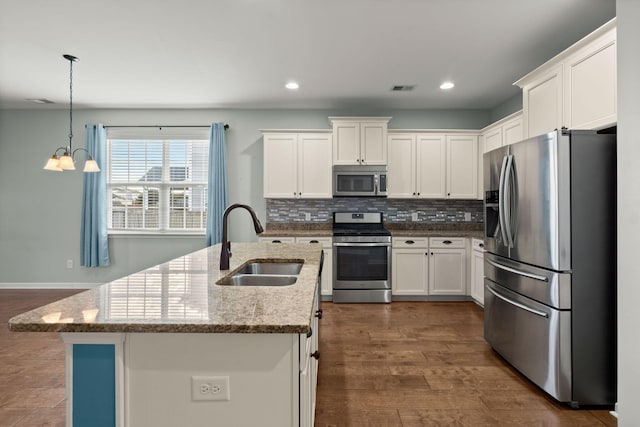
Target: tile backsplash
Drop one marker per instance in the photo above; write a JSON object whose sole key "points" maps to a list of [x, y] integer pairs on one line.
{"points": [[394, 210]]}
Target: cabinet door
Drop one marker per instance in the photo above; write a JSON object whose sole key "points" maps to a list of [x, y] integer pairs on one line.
{"points": [[314, 166], [462, 166], [477, 276], [373, 143], [409, 272], [346, 143], [402, 166], [431, 166], [447, 272], [492, 139], [542, 104], [280, 165], [512, 131], [590, 85]]}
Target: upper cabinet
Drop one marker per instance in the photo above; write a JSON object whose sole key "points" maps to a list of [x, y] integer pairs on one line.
{"points": [[297, 165], [576, 89], [432, 165], [359, 140]]}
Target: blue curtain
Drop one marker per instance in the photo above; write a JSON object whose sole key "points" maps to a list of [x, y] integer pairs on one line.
{"points": [[217, 191], [94, 243]]}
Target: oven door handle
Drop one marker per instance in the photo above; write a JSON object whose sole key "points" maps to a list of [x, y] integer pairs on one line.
{"points": [[362, 244]]}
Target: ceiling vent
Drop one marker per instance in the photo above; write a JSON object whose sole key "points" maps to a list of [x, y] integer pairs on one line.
{"points": [[402, 88]]}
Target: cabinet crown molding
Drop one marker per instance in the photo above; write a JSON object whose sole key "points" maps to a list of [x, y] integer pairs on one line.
{"points": [[359, 119], [557, 60]]}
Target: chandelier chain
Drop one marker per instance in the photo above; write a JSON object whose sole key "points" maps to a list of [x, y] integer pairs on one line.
{"points": [[70, 103]]}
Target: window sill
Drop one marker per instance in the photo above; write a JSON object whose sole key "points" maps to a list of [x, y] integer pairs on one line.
{"points": [[140, 233]]}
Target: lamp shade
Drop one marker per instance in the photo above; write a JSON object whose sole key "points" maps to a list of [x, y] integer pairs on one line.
{"points": [[91, 165], [53, 164], [66, 162]]}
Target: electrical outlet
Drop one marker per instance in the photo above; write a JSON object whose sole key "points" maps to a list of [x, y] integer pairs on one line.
{"points": [[210, 388], [69, 263], [307, 216], [414, 216], [467, 216]]}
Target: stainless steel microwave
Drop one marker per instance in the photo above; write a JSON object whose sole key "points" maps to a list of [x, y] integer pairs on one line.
{"points": [[369, 181]]}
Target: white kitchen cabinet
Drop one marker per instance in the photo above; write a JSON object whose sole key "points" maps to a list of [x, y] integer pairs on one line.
{"points": [[432, 165], [447, 266], [308, 357], [410, 266], [576, 89], [297, 165], [359, 140], [417, 166], [462, 166], [326, 279], [477, 271], [505, 131]]}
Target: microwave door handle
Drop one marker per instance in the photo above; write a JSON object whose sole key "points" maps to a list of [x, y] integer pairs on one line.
{"points": [[375, 184], [501, 196]]}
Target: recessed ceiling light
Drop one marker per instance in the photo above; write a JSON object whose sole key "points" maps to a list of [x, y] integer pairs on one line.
{"points": [[292, 85], [447, 85]]}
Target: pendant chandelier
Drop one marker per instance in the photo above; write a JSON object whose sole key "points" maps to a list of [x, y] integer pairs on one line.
{"points": [[66, 162]]}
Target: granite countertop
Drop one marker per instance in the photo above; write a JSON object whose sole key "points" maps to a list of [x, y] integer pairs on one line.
{"points": [[182, 296], [399, 229]]}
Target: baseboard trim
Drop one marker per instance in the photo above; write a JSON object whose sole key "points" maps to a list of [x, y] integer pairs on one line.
{"points": [[48, 285]]}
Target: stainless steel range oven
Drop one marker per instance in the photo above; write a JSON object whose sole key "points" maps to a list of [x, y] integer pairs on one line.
{"points": [[361, 258]]}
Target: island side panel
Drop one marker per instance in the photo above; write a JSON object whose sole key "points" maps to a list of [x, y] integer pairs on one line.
{"points": [[263, 372], [94, 373]]}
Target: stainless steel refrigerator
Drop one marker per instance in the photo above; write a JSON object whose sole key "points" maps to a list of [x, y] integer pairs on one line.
{"points": [[550, 262]]}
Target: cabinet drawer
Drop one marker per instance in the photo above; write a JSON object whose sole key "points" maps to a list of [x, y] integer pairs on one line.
{"points": [[477, 245], [277, 239], [447, 242], [410, 242], [326, 242]]}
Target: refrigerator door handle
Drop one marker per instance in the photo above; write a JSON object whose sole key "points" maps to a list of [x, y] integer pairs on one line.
{"points": [[518, 272], [501, 204], [508, 214], [517, 304]]}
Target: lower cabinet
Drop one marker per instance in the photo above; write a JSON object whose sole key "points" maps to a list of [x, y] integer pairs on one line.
{"points": [[477, 271], [435, 266], [309, 356], [326, 280], [447, 266], [410, 266]]}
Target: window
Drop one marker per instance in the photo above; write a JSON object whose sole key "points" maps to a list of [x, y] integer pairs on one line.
{"points": [[157, 180]]}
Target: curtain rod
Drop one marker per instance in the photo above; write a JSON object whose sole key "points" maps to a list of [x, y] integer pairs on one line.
{"points": [[226, 126]]}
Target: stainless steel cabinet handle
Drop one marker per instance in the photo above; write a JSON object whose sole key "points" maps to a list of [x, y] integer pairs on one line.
{"points": [[519, 272], [517, 304]]}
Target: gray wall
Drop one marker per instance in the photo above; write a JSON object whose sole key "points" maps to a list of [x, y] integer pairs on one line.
{"points": [[511, 105], [628, 12], [40, 210]]}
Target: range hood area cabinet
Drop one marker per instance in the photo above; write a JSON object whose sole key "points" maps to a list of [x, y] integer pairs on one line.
{"points": [[359, 140], [297, 164], [576, 89], [433, 165]]}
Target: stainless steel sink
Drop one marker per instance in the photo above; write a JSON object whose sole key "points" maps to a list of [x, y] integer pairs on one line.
{"points": [[265, 273], [269, 267], [239, 279]]}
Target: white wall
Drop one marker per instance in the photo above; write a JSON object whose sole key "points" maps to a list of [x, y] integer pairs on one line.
{"points": [[628, 12], [40, 210]]}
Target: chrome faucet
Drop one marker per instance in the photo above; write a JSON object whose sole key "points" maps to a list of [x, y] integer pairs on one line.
{"points": [[225, 252]]}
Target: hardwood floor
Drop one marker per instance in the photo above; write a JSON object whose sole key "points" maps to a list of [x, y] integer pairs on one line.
{"points": [[403, 364], [425, 364], [32, 390]]}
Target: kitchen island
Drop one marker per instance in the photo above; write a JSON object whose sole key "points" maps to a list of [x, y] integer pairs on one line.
{"points": [[156, 347]]}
